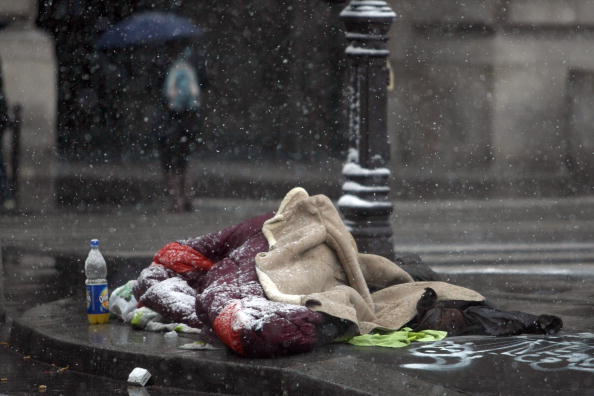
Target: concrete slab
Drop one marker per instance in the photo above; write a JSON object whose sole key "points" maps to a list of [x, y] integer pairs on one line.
{"points": [[58, 332], [464, 240]]}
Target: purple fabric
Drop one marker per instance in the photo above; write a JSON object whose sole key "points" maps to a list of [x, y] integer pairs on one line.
{"points": [[232, 278], [150, 276], [267, 328], [283, 332], [174, 299], [218, 245]]}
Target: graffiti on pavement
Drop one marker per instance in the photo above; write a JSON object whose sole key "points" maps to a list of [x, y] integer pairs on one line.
{"points": [[570, 352]]}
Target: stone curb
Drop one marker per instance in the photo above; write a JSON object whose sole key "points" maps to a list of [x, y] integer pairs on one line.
{"points": [[113, 350]]}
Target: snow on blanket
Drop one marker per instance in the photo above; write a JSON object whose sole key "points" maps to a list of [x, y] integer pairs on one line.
{"points": [[174, 299], [225, 299]]}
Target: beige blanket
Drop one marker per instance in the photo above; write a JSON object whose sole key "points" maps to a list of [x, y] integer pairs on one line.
{"points": [[313, 261]]}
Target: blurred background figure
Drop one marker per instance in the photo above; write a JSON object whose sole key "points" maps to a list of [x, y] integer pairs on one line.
{"points": [[183, 87], [161, 44]]}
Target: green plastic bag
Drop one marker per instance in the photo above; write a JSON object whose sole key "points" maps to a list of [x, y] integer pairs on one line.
{"points": [[397, 339]]}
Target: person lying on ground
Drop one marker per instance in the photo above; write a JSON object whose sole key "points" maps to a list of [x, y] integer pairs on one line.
{"points": [[284, 283]]}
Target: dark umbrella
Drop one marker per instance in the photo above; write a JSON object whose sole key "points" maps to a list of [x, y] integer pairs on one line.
{"points": [[147, 27]]}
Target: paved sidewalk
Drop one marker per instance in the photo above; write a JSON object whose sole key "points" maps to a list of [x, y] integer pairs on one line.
{"points": [[530, 255], [459, 231], [560, 365]]}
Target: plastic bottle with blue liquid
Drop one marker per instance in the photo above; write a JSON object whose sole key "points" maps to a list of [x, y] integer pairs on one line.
{"points": [[97, 290]]}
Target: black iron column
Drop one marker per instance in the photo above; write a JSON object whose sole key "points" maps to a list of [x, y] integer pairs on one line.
{"points": [[365, 203]]}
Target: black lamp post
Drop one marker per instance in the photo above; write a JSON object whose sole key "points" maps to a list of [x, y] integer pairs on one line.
{"points": [[365, 203]]}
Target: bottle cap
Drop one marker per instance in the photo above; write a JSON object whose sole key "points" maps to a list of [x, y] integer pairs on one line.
{"points": [[94, 243]]}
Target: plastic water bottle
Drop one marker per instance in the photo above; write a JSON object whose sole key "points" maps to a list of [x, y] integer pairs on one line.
{"points": [[97, 291]]}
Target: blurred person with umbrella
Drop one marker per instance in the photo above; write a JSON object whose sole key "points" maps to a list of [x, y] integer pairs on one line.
{"points": [[148, 28], [182, 81]]}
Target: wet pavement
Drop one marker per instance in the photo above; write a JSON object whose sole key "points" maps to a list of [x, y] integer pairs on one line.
{"points": [[23, 375], [492, 231], [534, 256], [562, 364]]}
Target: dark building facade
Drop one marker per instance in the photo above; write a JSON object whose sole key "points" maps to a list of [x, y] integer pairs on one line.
{"points": [[274, 67]]}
